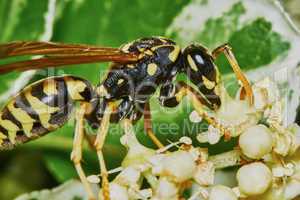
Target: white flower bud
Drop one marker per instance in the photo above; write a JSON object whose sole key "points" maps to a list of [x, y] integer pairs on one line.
{"points": [[272, 91], [202, 137], [281, 171], [220, 192], [287, 141], [186, 140], [129, 177], [254, 178], [213, 135], [156, 162], [179, 165], [137, 153], [165, 190], [236, 114], [194, 117], [292, 189], [205, 173], [256, 141]]}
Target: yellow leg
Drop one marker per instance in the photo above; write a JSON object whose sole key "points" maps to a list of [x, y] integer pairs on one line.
{"points": [[186, 90], [227, 50], [99, 142], [76, 155], [148, 126]]}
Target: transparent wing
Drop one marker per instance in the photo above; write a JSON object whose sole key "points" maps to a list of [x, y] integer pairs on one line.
{"points": [[58, 54]]}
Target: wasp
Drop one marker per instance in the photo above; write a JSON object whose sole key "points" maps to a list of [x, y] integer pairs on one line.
{"points": [[137, 69]]}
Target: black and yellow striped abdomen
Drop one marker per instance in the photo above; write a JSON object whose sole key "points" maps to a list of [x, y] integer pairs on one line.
{"points": [[41, 108]]}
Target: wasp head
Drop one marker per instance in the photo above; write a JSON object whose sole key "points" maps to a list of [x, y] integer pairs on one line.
{"points": [[201, 70]]}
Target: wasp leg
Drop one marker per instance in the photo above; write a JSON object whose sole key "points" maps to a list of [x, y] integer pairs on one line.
{"points": [[182, 90], [100, 139], [123, 110], [169, 92], [76, 155], [148, 126], [227, 50], [167, 95]]}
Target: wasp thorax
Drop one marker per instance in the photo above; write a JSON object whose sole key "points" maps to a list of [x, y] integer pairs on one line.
{"points": [[200, 68]]}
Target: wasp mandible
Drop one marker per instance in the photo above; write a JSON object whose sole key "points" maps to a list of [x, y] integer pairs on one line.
{"points": [[138, 68]]}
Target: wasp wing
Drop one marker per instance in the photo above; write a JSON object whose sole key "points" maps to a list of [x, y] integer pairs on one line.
{"points": [[58, 54]]}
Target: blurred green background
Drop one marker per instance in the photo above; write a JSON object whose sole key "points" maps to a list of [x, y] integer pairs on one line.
{"points": [[45, 163]]}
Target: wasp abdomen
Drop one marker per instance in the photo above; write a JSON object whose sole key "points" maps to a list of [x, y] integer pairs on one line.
{"points": [[40, 108]]}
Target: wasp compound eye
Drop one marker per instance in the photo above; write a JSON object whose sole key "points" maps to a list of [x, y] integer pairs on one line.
{"points": [[200, 68]]}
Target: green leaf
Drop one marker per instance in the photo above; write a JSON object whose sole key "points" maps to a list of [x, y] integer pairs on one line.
{"points": [[218, 30], [255, 44], [60, 166], [21, 20]]}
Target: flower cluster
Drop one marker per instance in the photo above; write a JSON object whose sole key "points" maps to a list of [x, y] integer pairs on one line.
{"points": [[266, 158]]}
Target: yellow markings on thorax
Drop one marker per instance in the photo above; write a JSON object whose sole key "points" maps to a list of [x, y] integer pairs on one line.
{"points": [[120, 81], [208, 84], [163, 39], [49, 87], [141, 49], [126, 47], [22, 117], [141, 56], [192, 63], [151, 69], [174, 54], [131, 66], [148, 52], [145, 52], [44, 111], [75, 87]]}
